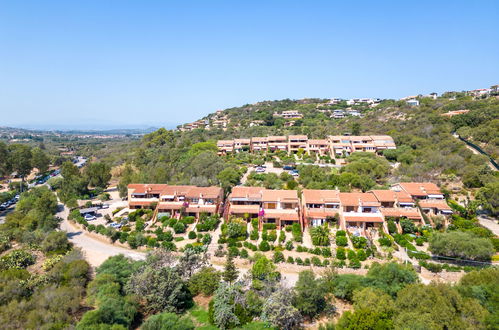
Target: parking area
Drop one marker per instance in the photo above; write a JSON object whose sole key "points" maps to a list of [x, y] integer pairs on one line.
{"points": [[97, 215], [268, 167]]}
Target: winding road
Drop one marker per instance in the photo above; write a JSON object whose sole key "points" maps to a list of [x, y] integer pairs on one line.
{"points": [[95, 251]]}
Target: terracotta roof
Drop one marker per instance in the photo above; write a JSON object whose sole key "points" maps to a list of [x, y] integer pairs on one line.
{"points": [[149, 187], [356, 199], [420, 188], [392, 196], [279, 195], [320, 196], [440, 204], [320, 213], [317, 141], [201, 208], [410, 213], [259, 139], [170, 205], [244, 209], [355, 218], [246, 192], [188, 191], [298, 137]]}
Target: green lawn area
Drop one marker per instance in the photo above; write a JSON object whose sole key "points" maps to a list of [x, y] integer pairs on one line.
{"points": [[200, 318]]}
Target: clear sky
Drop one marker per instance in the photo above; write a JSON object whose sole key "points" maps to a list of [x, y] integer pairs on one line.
{"points": [[125, 63]]}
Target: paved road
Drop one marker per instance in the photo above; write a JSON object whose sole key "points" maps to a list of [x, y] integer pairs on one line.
{"points": [[95, 250], [489, 224]]}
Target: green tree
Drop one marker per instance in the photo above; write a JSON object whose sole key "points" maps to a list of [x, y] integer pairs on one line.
{"points": [[5, 165], [309, 294], [390, 277], [162, 289], [228, 178], [230, 273], [40, 160], [205, 281], [98, 174], [463, 245], [320, 235], [279, 311], [20, 157]]}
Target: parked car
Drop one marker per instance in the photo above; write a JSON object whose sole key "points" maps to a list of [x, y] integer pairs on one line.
{"points": [[294, 173], [105, 206], [288, 168], [260, 170], [89, 217]]}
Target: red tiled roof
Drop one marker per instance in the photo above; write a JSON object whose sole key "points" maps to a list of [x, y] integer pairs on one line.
{"points": [[398, 212], [420, 188], [392, 196], [238, 209], [362, 219], [279, 195], [246, 192], [356, 199], [320, 213], [440, 204], [320, 196]]}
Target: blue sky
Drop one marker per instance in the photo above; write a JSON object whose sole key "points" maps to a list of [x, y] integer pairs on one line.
{"points": [[137, 63]]}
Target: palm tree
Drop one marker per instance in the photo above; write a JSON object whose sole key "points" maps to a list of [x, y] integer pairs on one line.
{"points": [[320, 235]]}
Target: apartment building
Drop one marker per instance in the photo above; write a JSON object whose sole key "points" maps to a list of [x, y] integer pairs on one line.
{"points": [[333, 145], [276, 143], [169, 200], [397, 205], [319, 205], [419, 190], [359, 212], [242, 145], [297, 142], [280, 207], [289, 114]]}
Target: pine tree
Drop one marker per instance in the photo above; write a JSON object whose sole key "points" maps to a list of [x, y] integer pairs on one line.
{"points": [[230, 273]]}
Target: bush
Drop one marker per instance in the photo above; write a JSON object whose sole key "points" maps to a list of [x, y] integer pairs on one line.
{"points": [[269, 226], [56, 242], [341, 240], [233, 251], [351, 255], [278, 257], [192, 235], [289, 245], [384, 241], [459, 244], [359, 242], [361, 255], [17, 259], [166, 320], [431, 266], [205, 281], [408, 227], [244, 253], [341, 233], [326, 252], [340, 253], [188, 220], [419, 241], [299, 261], [179, 228], [290, 260], [254, 235], [306, 262], [264, 246], [316, 261], [392, 227], [297, 233], [354, 263]]}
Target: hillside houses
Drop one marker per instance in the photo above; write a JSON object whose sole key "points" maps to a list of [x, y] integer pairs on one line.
{"points": [[357, 212], [333, 145]]}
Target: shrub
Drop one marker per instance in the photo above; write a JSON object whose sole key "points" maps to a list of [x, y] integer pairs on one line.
{"points": [[278, 257], [340, 253], [361, 254], [384, 241], [431, 266], [269, 226], [306, 262], [359, 242], [189, 220], [341, 240], [192, 235], [354, 263], [392, 227], [272, 236], [297, 233], [316, 251], [244, 253], [282, 236], [351, 254], [407, 226], [326, 252], [179, 228], [290, 260], [254, 223], [17, 259], [254, 235], [320, 235], [299, 261], [316, 261], [419, 241], [264, 246], [341, 233], [289, 245], [461, 245], [233, 251]]}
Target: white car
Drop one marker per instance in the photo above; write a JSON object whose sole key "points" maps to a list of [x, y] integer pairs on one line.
{"points": [[105, 206], [89, 217], [260, 170]]}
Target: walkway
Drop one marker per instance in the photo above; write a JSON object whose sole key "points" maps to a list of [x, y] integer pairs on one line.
{"points": [[489, 224]]}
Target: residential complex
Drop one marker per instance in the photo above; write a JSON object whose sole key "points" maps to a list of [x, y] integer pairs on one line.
{"points": [[280, 207], [173, 200], [356, 212], [333, 145]]}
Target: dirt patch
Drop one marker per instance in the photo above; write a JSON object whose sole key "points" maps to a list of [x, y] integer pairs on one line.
{"points": [[202, 301]]}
